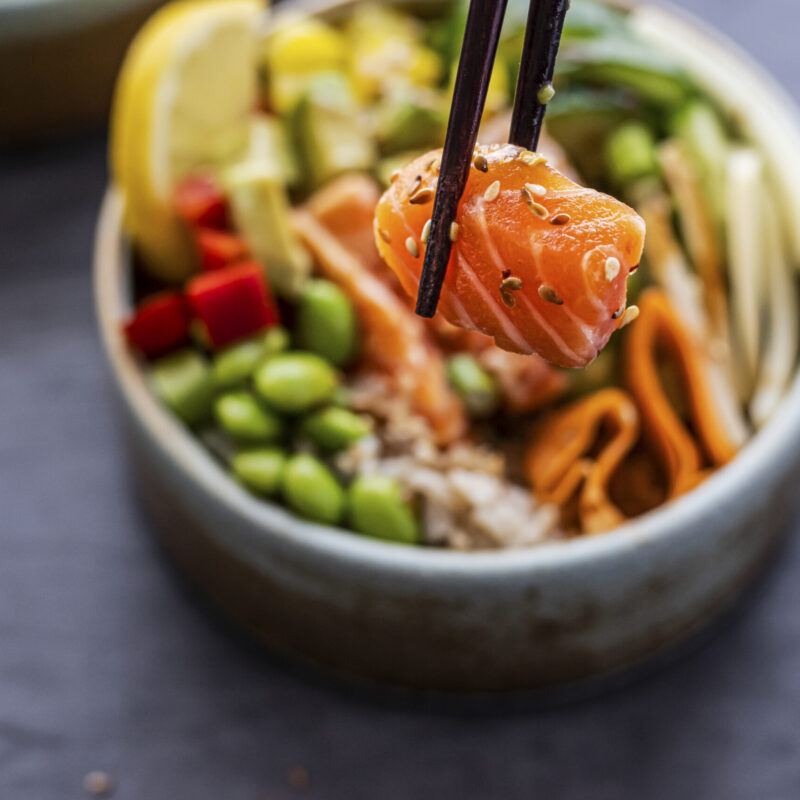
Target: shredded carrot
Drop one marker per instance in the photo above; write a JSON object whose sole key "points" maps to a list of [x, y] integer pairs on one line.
{"points": [[683, 456], [395, 340], [575, 453]]}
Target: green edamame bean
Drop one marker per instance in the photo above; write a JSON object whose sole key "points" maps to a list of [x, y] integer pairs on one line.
{"points": [[295, 382], [261, 470], [377, 508], [335, 428], [244, 418], [473, 384], [326, 322], [631, 153], [183, 382], [311, 490], [235, 364], [275, 340]]}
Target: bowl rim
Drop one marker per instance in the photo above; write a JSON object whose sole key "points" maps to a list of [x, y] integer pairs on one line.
{"points": [[756, 464]]}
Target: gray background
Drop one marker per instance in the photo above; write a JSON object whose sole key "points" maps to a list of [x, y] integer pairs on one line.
{"points": [[106, 662]]}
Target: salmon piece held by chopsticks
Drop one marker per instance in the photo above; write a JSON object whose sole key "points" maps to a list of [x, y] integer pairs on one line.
{"points": [[538, 262]]}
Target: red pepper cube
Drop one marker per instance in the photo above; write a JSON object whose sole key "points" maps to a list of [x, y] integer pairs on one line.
{"points": [[160, 324], [219, 249], [232, 303], [200, 203]]}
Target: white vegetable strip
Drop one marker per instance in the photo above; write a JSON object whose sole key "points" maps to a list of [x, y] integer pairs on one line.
{"points": [[743, 208], [685, 292], [740, 87], [698, 230], [779, 354]]}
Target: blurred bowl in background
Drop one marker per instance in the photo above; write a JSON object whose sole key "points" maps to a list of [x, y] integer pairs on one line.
{"points": [[58, 62]]}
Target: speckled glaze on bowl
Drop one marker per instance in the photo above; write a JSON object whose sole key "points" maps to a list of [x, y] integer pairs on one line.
{"points": [[495, 621]]}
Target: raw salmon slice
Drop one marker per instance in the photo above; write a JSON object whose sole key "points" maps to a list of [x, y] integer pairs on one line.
{"points": [[538, 262]]}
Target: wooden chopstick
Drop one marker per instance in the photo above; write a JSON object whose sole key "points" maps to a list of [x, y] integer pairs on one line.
{"points": [[482, 33], [481, 36], [534, 84]]}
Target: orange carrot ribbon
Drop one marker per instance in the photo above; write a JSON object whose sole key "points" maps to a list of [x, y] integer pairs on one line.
{"points": [[686, 453], [576, 452]]}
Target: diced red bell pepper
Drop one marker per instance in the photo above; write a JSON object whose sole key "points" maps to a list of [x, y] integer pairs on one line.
{"points": [[200, 203], [232, 303], [160, 324], [218, 249]]}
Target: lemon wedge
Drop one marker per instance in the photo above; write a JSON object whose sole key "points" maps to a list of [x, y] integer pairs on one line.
{"points": [[183, 103]]}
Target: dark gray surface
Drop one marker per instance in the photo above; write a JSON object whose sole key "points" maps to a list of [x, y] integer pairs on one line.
{"points": [[106, 663]]}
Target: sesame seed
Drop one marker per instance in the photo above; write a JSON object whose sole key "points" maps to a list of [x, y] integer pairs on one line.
{"points": [[536, 189], [414, 186], [508, 298], [481, 163], [631, 312], [98, 784], [426, 230], [492, 191], [412, 247], [454, 229], [512, 283], [530, 158], [537, 208], [394, 176], [549, 294], [299, 778], [560, 219], [619, 312], [612, 268], [545, 94], [422, 197], [384, 234]]}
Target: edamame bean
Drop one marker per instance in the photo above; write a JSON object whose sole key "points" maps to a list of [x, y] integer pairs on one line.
{"points": [[326, 322], [377, 508], [295, 382], [311, 490], [261, 470], [631, 153], [335, 428], [183, 382], [244, 418], [473, 385], [275, 340], [235, 364]]}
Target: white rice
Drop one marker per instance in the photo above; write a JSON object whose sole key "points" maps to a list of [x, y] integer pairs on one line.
{"points": [[465, 500]]}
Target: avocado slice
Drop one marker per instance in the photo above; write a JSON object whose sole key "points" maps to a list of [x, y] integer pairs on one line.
{"points": [[326, 129], [258, 199], [412, 119], [617, 61], [581, 121], [270, 142]]}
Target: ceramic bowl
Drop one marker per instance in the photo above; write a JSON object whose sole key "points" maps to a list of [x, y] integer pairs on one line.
{"points": [[491, 621]]}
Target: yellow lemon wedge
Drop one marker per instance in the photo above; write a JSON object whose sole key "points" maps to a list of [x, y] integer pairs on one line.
{"points": [[183, 103]]}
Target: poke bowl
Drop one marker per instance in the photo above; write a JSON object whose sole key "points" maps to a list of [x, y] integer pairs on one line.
{"points": [[345, 528]]}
